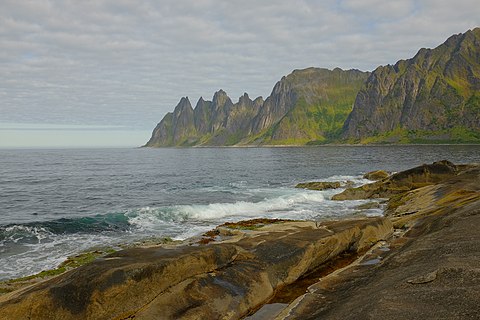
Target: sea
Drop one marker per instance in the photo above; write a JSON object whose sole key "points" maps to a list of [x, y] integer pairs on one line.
{"points": [[61, 202]]}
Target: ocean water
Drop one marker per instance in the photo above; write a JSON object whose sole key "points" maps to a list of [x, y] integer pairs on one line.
{"points": [[57, 203]]}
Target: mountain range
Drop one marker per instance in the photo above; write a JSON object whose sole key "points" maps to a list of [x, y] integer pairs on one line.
{"points": [[433, 97]]}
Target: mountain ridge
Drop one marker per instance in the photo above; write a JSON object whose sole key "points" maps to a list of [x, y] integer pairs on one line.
{"points": [[301, 94], [433, 97]]}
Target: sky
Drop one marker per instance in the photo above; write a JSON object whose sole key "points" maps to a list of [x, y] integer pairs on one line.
{"points": [[105, 72]]}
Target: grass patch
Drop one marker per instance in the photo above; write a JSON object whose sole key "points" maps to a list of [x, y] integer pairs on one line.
{"points": [[252, 224]]}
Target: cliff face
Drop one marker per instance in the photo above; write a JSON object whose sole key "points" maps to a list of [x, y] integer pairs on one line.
{"points": [[305, 106], [434, 94], [308, 106], [176, 128]]}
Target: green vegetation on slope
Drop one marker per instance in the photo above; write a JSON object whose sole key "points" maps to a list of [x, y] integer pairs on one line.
{"points": [[455, 135]]}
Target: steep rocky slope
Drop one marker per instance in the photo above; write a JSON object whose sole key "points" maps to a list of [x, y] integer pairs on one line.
{"points": [[433, 96], [307, 106]]}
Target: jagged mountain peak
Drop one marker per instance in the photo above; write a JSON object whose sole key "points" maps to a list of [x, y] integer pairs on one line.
{"points": [[183, 103], [244, 99], [220, 93]]}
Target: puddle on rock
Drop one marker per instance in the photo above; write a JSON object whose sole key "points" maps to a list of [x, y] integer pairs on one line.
{"points": [[267, 311], [370, 262]]}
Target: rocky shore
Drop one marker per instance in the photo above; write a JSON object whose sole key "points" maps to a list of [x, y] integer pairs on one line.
{"points": [[421, 260]]}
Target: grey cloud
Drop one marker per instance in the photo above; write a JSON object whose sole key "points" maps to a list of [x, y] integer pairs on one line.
{"points": [[122, 62]]}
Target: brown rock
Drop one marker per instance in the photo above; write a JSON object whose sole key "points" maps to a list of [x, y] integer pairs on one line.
{"points": [[401, 182], [430, 273], [376, 175], [453, 193], [319, 185], [223, 280], [368, 205]]}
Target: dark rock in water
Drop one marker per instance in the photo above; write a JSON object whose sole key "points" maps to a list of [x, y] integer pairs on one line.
{"points": [[368, 205], [401, 182], [324, 185], [376, 175], [319, 185]]}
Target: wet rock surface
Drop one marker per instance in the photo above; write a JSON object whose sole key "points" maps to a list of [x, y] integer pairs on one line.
{"points": [[225, 280], [319, 185]]}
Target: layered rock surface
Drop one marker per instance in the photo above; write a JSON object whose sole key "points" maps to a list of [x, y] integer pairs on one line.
{"points": [[432, 272], [218, 281], [404, 181]]}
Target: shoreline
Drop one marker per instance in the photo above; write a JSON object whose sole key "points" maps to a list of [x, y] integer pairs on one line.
{"points": [[315, 146], [241, 267]]}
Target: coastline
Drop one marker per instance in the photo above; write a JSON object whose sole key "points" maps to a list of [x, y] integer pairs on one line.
{"points": [[251, 263], [318, 145]]}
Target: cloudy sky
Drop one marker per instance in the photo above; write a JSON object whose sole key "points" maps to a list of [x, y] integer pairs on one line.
{"points": [[112, 68]]}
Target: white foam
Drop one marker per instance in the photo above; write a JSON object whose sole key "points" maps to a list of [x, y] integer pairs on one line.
{"points": [[29, 259], [357, 180], [47, 250], [15, 233], [218, 211]]}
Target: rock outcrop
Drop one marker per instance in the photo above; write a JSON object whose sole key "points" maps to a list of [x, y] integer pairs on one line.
{"points": [[320, 185], [431, 272], [376, 175], [402, 182], [432, 97], [217, 281], [324, 185]]}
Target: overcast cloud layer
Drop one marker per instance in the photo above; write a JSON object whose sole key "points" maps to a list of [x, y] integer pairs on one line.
{"points": [[126, 63]]}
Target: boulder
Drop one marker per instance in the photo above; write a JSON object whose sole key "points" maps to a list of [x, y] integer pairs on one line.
{"points": [[319, 185], [324, 185], [401, 182]]}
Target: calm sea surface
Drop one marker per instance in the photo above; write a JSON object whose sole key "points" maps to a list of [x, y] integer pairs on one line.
{"points": [[56, 203]]}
